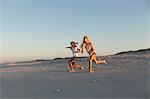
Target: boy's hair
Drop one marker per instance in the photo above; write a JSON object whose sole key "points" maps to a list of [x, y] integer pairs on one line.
{"points": [[73, 42]]}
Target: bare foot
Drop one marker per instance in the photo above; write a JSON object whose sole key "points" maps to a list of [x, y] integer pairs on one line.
{"points": [[81, 68], [91, 71], [71, 70], [104, 62]]}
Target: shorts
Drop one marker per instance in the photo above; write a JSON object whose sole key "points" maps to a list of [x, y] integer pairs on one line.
{"points": [[92, 54], [73, 60]]}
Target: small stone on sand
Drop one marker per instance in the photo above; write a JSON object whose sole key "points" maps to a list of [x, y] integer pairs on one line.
{"points": [[94, 80], [58, 90]]}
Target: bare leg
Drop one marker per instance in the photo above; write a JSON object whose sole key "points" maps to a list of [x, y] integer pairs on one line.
{"points": [[90, 68], [71, 66], [98, 61], [93, 57], [90, 64], [78, 66]]}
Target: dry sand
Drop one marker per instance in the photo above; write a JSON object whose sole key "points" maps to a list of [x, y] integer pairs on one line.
{"points": [[124, 77]]}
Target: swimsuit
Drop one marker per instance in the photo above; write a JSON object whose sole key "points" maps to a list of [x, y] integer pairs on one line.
{"points": [[89, 48]]}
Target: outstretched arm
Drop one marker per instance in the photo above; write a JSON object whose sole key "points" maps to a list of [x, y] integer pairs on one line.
{"points": [[67, 47]]}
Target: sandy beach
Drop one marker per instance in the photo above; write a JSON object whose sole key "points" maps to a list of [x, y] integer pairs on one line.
{"points": [[124, 77], [39, 38]]}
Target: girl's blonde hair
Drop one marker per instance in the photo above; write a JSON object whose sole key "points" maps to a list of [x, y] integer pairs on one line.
{"points": [[86, 37]]}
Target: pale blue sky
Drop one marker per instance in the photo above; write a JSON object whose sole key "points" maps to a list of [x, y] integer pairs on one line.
{"points": [[42, 28]]}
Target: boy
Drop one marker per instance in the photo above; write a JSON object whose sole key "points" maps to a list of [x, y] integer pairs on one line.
{"points": [[72, 61]]}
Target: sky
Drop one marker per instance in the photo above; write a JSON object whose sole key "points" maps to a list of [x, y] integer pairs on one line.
{"points": [[41, 29]]}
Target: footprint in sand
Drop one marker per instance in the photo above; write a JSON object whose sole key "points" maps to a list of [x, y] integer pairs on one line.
{"points": [[58, 90]]}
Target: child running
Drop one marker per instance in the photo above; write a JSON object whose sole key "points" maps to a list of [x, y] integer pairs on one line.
{"points": [[90, 49], [72, 61]]}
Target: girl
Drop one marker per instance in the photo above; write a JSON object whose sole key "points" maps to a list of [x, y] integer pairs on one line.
{"points": [[90, 49]]}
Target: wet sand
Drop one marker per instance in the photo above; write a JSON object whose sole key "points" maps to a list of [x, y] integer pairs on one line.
{"points": [[124, 77]]}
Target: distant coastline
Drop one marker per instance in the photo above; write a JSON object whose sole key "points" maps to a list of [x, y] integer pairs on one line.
{"points": [[68, 58], [137, 52], [130, 52], [140, 51]]}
